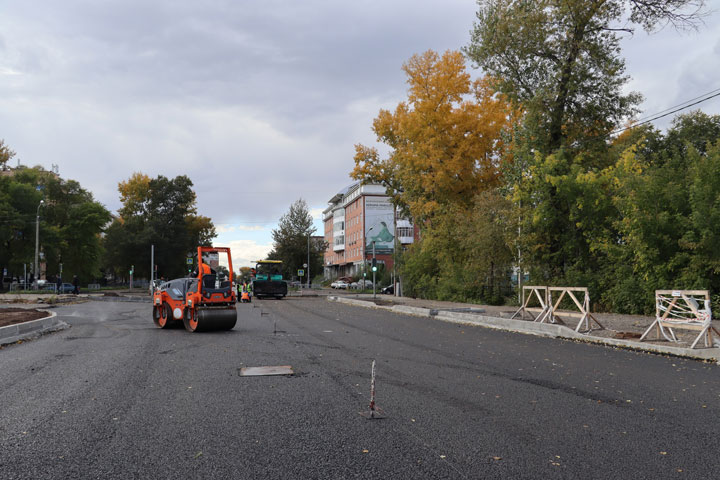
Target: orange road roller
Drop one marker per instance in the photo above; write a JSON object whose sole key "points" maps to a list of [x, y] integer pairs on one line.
{"points": [[203, 301]]}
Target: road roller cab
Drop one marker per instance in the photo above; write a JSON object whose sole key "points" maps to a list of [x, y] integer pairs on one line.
{"points": [[205, 301]]}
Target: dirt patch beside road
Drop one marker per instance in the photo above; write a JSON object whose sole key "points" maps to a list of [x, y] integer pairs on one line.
{"points": [[11, 316]]}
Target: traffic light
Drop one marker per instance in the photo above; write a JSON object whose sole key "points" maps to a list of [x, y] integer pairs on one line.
{"points": [[132, 269], [374, 265]]}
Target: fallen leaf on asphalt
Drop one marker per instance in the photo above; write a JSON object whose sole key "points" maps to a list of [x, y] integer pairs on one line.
{"points": [[412, 419], [365, 450], [442, 456], [497, 458], [663, 453]]}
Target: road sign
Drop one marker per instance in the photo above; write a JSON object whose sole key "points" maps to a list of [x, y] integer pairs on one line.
{"points": [[304, 265], [301, 273], [189, 261]]}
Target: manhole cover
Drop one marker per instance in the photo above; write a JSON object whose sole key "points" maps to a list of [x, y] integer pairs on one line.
{"points": [[262, 371]]}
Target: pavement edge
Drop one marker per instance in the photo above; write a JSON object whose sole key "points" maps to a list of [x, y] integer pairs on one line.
{"points": [[537, 329], [32, 329]]}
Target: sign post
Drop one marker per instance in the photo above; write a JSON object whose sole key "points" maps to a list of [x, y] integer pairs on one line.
{"points": [[301, 273]]}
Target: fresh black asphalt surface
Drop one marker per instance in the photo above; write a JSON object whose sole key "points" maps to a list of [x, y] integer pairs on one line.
{"points": [[115, 397]]}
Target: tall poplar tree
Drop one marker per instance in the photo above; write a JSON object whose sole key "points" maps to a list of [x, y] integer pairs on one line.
{"points": [[560, 60], [293, 238]]}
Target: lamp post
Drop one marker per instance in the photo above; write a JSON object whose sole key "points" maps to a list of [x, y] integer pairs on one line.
{"points": [[37, 243], [374, 268], [367, 234]]}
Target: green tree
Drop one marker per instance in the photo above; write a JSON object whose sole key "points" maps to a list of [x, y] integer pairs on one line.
{"points": [[5, 154], [667, 225], [560, 60], [292, 239], [70, 224], [160, 212]]}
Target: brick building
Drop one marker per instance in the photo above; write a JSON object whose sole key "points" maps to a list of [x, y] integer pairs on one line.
{"points": [[356, 219]]}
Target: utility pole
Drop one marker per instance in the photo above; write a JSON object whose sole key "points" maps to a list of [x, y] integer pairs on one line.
{"points": [[152, 266], [308, 262]]}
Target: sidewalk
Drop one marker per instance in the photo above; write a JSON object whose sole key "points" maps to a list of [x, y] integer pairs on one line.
{"points": [[622, 331]]}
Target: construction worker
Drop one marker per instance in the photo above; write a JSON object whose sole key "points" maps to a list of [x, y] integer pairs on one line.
{"points": [[244, 296], [249, 290], [204, 268]]}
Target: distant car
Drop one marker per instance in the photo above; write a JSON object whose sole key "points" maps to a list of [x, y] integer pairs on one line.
{"points": [[337, 284], [389, 290], [66, 288]]}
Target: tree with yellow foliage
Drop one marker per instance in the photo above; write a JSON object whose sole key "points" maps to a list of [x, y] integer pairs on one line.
{"points": [[445, 139]]}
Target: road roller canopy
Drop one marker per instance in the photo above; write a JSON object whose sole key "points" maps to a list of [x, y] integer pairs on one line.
{"points": [[215, 261]]}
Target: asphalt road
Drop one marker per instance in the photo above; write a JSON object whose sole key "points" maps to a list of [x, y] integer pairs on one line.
{"points": [[114, 397]]}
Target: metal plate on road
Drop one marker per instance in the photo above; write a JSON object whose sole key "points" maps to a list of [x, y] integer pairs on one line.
{"points": [[262, 371]]}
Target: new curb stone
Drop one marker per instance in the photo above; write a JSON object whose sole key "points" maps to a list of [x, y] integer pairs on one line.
{"points": [[31, 329], [538, 329]]}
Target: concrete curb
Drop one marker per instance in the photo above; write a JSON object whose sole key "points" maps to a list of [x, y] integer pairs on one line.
{"points": [[31, 329], [539, 329]]}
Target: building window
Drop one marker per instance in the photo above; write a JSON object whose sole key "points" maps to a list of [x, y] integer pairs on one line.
{"points": [[405, 231]]}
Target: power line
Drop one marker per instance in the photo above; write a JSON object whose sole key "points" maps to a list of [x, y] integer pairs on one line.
{"points": [[657, 116], [679, 104]]}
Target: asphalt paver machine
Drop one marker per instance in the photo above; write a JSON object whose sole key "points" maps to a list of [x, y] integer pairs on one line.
{"points": [[203, 301], [268, 280]]}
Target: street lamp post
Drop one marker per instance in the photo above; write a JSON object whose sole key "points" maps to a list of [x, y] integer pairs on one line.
{"points": [[374, 268], [37, 243], [367, 234]]}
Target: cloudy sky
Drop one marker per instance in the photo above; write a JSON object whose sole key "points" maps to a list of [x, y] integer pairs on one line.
{"points": [[259, 102]]}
